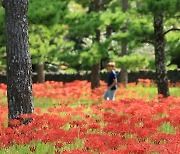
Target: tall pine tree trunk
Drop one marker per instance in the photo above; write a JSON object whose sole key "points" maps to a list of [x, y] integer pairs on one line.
{"points": [[159, 44], [19, 69], [95, 69], [124, 74], [40, 73]]}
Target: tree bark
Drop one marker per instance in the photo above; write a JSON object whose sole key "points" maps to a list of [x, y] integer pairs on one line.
{"points": [[19, 68], [160, 60], [124, 74], [124, 5], [40, 73], [95, 76], [95, 69]]}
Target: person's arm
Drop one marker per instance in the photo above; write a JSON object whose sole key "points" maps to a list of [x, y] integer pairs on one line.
{"points": [[113, 84]]}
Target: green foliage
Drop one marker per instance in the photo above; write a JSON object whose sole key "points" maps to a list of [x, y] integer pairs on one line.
{"points": [[39, 37], [47, 12], [81, 24], [141, 28], [64, 31], [172, 67], [47, 44], [92, 56], [60, 44], [173, 46], [84, 3], [2, 40], [168, 7], [111, 18], [132, 62]]}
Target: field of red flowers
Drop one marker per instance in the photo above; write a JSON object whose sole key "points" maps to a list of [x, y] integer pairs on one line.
{"points": [[72, 119]]}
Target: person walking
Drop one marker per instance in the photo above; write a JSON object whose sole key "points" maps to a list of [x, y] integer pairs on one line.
{"points": [[111, 82]]}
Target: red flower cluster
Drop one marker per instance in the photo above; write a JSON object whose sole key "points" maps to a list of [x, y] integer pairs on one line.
{"points": [[123, 126]]}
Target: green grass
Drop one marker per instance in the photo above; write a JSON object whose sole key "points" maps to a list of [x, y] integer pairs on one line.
{"points": [[3, 100], [151, 91], [25, 149], [45, 103], [167, 128]]}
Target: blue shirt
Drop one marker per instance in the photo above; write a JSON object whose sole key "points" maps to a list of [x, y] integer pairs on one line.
{"points": [[111, 77]]}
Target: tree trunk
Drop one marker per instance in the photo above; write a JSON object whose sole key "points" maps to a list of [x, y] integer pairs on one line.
{"points": [[19, 68], [159, 44], [95, 76], [124, 5], [124, 74], [95, 69], [40, 73], [108, 31]]}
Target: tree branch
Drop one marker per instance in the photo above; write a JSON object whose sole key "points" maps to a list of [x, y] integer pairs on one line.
{"points": [[172, 29]]}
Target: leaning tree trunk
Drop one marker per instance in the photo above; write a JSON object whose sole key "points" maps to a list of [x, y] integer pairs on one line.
{"points": [[40, 73], [159, 44], [124, 74], [19, 82]]}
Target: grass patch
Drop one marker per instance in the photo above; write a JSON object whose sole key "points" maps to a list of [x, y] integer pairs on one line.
{"points": [[167, 128], [29, 149]]}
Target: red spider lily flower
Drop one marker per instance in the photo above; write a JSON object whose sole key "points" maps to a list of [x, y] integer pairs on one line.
{"points": [[96, 143], [78, 123], [94, 126], [70, 137], [14, 123], [51, 110], [58, 144], [174, 113], [113, 142], [76, 151], [144, 133], [3, 86], [117, 128], [9, 130], [135, 148], [32, 148], [37, 110], [23, 116]]}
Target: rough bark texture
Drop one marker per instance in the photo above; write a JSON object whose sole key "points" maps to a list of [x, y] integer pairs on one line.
{"points": [[95, 69], [124, 74], [40, 73], [159, 44], [19, 82], [95, 76]]}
